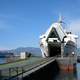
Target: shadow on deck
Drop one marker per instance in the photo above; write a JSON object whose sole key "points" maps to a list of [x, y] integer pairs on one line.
{"points": [[48, 72]]}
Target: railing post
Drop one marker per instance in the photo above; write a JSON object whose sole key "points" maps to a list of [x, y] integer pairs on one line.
{"points": [[9, 73], [17, 72], [0, 74], [22, 72]]}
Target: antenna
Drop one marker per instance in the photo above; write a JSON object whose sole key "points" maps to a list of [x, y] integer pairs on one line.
{"points": [[60, 18]]}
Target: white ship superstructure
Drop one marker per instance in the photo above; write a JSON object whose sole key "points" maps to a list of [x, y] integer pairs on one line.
{"points": [[50, 42]]}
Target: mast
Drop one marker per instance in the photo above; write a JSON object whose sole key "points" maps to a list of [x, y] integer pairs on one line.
{"points": [[60, 19]]}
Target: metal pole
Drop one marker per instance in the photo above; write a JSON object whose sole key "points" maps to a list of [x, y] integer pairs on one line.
{"points": [[22, 72], [17, 72], [9, 73], [62, 49], [0, 74]]}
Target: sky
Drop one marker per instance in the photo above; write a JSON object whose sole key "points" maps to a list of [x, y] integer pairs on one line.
{"points": [[23, 21]]}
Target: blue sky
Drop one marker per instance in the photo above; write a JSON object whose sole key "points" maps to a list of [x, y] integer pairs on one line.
{"points": [[23, 21]]}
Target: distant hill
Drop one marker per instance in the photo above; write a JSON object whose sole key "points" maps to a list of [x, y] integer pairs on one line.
{"points": [[32, 50], [17, 51], [4, 54]]}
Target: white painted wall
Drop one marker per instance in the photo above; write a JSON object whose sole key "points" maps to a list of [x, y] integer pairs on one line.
{"points": [[22, 55]]}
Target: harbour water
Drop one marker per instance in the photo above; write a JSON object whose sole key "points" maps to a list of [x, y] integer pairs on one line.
{"points": [[70, 75], [78, 71], [2, 60]]}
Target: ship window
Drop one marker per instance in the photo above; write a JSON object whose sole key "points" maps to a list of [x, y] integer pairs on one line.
{"points": [[53, 34]]}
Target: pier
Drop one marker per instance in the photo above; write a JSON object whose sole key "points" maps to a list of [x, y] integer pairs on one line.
{"points": [[19, 71], [42, 68]]}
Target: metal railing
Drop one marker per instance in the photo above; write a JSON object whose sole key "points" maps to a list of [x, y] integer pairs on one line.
{"points": [[16, 73]]}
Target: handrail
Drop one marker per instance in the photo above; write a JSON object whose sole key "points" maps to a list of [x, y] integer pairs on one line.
{"points": [[15, 72]]}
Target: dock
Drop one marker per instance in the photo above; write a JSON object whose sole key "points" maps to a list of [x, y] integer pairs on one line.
{"points": [[22, 69], [36, 68]]}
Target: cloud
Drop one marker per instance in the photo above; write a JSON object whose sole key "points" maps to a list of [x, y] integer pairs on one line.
{"points": [[75, 29]]}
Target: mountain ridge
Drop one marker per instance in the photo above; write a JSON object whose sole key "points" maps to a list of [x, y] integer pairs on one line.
{"points": [[34, 51]]}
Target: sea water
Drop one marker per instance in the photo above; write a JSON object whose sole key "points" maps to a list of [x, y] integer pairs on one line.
{"points": [[70, 75], [78, 71], [2, 60]]}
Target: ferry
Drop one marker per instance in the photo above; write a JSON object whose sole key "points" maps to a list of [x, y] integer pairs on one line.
{"points": [[57, 42]]}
